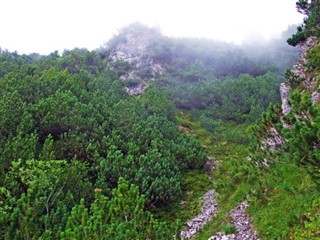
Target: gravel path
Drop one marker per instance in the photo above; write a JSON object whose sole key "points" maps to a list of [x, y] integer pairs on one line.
{"points": [[241, 220], [208, 210]]}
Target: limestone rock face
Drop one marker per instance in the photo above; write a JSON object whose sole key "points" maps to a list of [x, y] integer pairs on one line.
{"points": [[300, 76], [315, 97], [135, 47], [300, 69], [136, 89], [275, 139], [284, 92]]}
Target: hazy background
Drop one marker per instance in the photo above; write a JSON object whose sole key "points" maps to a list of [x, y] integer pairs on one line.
{"points": [[46, 25]]}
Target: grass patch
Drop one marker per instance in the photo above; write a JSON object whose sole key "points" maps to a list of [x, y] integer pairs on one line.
{"points": [[278, 197], [229, 229]]}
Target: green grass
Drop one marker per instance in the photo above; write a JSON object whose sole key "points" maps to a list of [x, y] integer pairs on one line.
{"points": [[217, 145], [229, 229], [194, 183], [229, 148], [278, 197]]}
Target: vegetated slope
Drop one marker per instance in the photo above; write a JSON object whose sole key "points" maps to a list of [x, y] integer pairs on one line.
{"points": [[280, 179], [288, 135], [292, 136], [73, 142], [81, 159], [197, 72]]}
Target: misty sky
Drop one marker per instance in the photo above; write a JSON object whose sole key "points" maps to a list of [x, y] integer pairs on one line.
{"points": [[44, 26]]}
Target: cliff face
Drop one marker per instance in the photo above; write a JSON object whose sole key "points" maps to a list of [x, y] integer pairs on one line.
{"points": [[136, 50], [133, 52], [302, 71]]}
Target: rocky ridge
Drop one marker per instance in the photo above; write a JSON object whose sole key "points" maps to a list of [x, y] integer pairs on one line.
{"points": [[299, 71]]}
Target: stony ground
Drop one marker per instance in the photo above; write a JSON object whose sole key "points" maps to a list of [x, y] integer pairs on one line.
{"points": [[242, 223], [240, 219], [208, 210]]}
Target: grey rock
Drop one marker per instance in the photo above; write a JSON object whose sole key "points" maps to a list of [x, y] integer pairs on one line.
{"points": [[136, 89], [208, 210], [241, 221], [274, 139], [284, 92], [208, 167], [300, 69], [136, 50], [315, 97]]}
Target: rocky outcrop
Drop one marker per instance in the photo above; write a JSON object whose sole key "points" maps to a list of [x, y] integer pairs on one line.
{"points": [[135, 48], [136, 89], [241, 221], [315, 97], [208, 210], [284, 93], [211, 164], [300, 69], [274, 139]]}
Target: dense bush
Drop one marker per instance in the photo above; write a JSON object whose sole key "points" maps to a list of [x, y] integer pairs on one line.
{"points": [[67, 126]]}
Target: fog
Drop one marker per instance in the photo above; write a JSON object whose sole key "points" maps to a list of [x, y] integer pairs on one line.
{"points": [[45, 26]]}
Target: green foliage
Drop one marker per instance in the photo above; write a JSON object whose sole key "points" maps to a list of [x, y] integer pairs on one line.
{"points": [[269, 192], [211, 124], [298, 37], [242, 99], [121, 217], [313, 57], [273, 209], [37, 195], [311, 26], [292, 165], [194, 68], [293, 78], [229, 229], [262, 154], [311, 226], [74, 108], [303, 136], [275, 213], [68, 127]]}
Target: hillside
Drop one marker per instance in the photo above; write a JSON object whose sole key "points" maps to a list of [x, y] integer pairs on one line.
{"points": [[151, 137], [201, 74]]}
